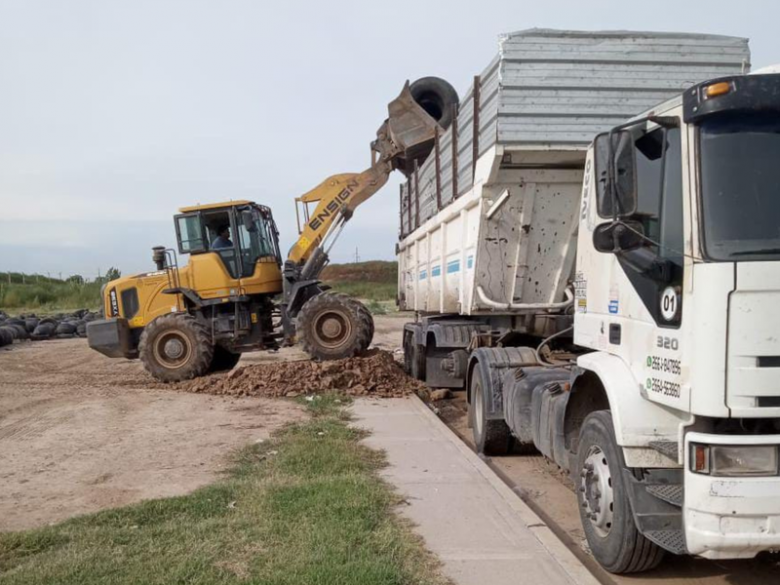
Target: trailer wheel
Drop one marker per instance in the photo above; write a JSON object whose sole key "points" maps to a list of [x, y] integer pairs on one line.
{"points": [[223, 360], [605, 510], [333, 326], [491, 437], [175, 347]]}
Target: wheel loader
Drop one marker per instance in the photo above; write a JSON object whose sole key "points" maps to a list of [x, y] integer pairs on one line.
{"points": [[236, 293]]}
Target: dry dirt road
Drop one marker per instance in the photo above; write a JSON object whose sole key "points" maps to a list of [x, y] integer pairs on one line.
{"points": [[80, 432]]}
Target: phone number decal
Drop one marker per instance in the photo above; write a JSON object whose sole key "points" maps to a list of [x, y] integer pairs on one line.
{"points": [[665, 365], [663, 387]]}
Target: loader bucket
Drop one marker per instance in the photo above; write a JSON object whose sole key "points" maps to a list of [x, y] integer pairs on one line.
{"points": [[421, 110]]}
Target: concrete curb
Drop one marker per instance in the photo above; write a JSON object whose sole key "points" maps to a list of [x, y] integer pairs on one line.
{"points": [[568, 562]]}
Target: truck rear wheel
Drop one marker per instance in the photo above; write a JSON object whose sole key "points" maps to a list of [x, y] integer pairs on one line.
{"points": [[414, 357], [175, 347], [491, 437], [333, 326], [605, 510], [223, 360]]}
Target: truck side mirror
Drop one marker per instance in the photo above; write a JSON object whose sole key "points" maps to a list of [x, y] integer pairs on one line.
{"points": [[613, 237], [616, 174]]}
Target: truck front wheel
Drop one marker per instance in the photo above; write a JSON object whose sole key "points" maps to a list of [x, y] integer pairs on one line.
{"points": [[605, 510], [175, 347]]}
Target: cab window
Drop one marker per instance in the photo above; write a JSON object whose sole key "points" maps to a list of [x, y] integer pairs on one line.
{"points": [[255, 242]]}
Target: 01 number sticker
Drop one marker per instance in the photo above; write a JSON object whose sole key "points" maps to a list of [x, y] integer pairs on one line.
{"points": [[670, 303]]}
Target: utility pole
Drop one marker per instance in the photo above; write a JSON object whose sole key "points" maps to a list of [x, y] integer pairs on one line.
{"points": [[357, 255]]}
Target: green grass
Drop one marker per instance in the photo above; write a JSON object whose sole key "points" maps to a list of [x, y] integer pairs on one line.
{"points": [[372, 291], [375, 280], [304, 508], [25, 293]]}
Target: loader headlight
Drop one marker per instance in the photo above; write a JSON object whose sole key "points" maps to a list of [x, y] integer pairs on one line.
{"points": [[733, 460]]}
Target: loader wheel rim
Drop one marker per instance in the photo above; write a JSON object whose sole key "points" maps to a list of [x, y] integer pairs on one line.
{"points": [[598, 494], [172, 350], [332, 328]]}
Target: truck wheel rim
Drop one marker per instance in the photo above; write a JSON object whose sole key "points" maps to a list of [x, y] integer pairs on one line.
{"points": [[478, 408], [172, 350], [597, 491], [332, 329]]}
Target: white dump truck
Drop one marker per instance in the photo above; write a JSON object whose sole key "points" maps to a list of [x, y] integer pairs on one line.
{"points": [[605, 290]]}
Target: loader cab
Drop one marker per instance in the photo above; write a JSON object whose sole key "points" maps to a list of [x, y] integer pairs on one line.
{"points": [[249, 250]]}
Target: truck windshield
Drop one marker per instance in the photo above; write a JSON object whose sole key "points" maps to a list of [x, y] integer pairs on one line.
{"points": [[740, 176]]}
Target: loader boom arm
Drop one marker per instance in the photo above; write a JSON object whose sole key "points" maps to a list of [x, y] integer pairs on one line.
{"points": [[337, 197], [406, 137]]}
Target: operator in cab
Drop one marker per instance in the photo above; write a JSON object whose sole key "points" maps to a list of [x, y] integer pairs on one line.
{"points": [[223, 238]]}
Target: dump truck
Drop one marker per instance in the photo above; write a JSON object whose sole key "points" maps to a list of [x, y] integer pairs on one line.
{"points": [[592, 253], [237, 294]]}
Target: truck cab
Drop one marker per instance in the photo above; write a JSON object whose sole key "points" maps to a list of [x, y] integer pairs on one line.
{"points": [[677, 280]]}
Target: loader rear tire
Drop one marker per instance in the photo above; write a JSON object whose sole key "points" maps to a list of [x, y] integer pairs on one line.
{"points": [[333, 326], [175, 347], [223, 360]]}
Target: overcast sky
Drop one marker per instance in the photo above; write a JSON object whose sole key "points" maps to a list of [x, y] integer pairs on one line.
{"points": [[113, 114]]}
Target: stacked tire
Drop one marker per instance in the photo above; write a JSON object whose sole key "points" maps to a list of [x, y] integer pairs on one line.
{"points": [[60, 326]]}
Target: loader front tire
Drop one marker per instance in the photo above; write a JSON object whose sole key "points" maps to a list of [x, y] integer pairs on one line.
{"points": [[175, 347], [333, 326]]}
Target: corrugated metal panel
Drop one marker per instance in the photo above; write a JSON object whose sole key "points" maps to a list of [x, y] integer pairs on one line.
{"points": [[563, 87], [550, 90]]}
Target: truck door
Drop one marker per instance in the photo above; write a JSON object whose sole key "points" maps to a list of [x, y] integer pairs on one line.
{"points": [[633, 305]]}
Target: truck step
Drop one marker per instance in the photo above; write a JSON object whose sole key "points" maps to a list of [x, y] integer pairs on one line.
{"points": [[671, 540], [671, 493], [670, 449]]}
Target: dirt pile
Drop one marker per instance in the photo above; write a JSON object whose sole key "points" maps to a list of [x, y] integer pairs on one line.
{"points": [[374, 374]]}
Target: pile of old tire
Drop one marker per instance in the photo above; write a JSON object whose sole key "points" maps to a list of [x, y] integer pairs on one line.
{"points": [[30, 326]]}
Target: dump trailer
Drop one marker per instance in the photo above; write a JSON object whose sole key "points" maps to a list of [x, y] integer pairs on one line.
{"points": [[592, 253]]}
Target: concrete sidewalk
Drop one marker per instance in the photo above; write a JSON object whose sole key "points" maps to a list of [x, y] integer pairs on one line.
{"points": [[481, 530]]}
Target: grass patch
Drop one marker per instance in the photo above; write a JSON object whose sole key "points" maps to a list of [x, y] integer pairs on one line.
{"points": [[305, 507], [375, 280], [35, 293], [371, 291]]}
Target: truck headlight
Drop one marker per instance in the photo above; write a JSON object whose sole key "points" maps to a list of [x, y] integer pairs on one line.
{"points": [[734, 460]]}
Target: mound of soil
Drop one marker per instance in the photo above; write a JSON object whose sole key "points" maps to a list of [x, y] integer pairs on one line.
{"points": [[373, 374]]}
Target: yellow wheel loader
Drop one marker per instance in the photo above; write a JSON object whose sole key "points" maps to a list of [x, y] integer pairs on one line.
{"points": [[236, 293]]}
